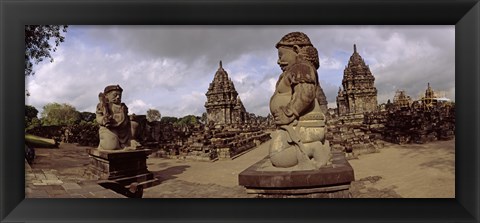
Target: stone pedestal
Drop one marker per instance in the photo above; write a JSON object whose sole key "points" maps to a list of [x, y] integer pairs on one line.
{"points": [[123, 167], [332, 181]]}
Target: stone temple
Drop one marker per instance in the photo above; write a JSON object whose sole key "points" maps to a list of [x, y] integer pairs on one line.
{"points": [[359, 94], [223, 105]]}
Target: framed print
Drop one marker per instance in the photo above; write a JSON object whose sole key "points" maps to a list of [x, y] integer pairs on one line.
{"points": [[452, 25]]}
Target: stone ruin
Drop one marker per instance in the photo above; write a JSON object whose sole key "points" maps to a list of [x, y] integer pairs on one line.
{"points": [[401, 100], [427, 119], [359, 125], [359, 94], [353, 137], [223, 104], [345, 128], [199, 142], [229, 130], [231, 144]]}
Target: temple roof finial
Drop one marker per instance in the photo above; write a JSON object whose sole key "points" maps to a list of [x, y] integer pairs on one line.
{"points": [[221, 64], [354, 48]]}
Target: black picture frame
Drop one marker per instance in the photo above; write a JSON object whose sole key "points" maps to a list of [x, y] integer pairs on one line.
{"points": [[465, 15]]}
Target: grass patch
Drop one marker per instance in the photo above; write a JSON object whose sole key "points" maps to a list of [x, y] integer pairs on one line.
{"points": [[39, 142]]}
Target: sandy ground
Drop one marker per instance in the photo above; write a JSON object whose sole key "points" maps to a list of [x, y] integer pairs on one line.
{"points": [[222, 172], [412, 171], [409, 171]]}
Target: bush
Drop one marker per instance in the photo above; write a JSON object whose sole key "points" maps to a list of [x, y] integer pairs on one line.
{"points": [[85, 134]]}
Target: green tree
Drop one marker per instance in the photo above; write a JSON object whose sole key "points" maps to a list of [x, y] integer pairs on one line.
{"points": [[37, 43], [153, 115], [35, 122], [87, 116], [187, 120], [30, 112], [31, 119], [60, 114], [168, 119]]}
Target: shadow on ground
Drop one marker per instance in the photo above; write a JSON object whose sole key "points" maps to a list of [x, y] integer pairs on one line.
{"points": [[442, 164], [169, 173], [157, 165], [364, 188]]}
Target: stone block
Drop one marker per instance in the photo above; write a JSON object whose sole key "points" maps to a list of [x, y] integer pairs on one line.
{"points": [[329, 181], [39, 184], [71, 186], [117, 164], [123, 167], [53, 182]]}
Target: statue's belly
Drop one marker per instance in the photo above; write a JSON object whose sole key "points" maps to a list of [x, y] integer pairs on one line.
{"points": [[279, 99]]}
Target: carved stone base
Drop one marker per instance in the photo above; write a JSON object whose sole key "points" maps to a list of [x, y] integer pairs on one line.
{"points": [[332, 181], [123, 167]]}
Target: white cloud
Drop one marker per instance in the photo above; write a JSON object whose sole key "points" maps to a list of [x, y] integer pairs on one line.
{"points": [[332, 104], [330, 63], [169, 67]]}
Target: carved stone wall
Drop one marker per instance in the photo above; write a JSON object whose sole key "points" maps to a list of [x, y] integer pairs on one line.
{"points": [[399, 122], [205, 144]]}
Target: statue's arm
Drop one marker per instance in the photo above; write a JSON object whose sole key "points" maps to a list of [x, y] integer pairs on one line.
{"points": [[303, 82], [303, 96], [100, 117]]}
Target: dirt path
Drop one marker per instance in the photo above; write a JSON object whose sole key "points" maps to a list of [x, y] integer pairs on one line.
{"points": [[412, 171], [223, 172], [185, 178], [409, 171]]}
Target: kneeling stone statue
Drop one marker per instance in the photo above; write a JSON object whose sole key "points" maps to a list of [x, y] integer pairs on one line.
{"points": [[112, 115], [299, 140]]}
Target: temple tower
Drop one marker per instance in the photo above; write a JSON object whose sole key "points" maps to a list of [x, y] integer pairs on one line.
{"points": [[401, 99], [429, 93], [223, 105], [359, 94]]}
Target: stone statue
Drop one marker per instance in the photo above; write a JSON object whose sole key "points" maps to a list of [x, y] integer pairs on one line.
{"points": [[299, 140], [112, 115]]}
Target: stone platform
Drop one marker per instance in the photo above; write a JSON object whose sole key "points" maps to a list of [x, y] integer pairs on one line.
{"points": [[332, 181], [122, 167]]}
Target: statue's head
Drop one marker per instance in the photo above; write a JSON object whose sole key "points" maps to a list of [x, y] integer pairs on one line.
{"points": [[113, 93], [296, 45]]}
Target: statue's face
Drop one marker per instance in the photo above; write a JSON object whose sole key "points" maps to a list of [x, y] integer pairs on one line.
{"points": [[286, 57], [114, 97]]}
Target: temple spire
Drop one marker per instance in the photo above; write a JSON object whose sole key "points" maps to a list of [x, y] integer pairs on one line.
{"points": [[221, 64], [354, 48]]}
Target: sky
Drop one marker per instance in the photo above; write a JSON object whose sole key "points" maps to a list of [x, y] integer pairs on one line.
{"points": [[169, 68]]}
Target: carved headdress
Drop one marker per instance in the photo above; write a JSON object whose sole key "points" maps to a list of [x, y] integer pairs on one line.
{"points": [[307, 50], [294, 38], [112, 88]]}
